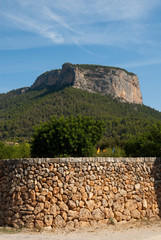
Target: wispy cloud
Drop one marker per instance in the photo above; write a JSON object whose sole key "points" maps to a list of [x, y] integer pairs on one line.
{"points": [[25, 23], [117, 22], [141, 63]]}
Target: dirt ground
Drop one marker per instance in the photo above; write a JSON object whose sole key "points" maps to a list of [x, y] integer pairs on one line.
{"points": [[138, 230]]}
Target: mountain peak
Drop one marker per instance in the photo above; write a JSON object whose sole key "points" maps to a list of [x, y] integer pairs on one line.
{"points": [[95, 79]]}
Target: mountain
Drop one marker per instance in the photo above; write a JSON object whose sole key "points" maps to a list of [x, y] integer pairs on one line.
{"points": [[95, 79], [89, 90]]}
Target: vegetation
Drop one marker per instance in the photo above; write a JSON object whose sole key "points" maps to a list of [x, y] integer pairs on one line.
{"points": [[73, 136], [94, 67], [147, 144], [20, 112], [12, 151]]}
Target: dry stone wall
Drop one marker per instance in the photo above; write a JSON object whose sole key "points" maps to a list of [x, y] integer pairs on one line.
{"points": [[78, 191]]}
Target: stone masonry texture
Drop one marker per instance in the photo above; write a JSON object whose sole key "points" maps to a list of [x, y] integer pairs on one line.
{"points": [[75, 192]]}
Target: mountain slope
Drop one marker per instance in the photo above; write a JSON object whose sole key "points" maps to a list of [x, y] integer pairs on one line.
{"points": [[19, 112]]}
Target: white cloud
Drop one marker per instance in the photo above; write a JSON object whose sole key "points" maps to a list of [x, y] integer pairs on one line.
{"points": [[26, 23], [116, 22], [141, 63]]}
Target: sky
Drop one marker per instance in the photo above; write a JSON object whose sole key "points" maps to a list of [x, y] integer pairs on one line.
{"points": [[40, 35]]}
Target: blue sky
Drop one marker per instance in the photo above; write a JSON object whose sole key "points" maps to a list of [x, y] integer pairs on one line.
{"points": [[40, 35]]}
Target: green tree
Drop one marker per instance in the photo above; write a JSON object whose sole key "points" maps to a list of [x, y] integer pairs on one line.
{"points": [[73, 136], [21, 150], [147, 144], [5, 151]]}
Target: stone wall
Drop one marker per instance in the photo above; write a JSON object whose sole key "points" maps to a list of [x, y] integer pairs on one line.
{"points": [[78, 191]]}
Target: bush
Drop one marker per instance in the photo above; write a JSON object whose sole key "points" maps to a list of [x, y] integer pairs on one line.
{"points": [[146, 145], [111, 152], [21, 150], [73, 136]]}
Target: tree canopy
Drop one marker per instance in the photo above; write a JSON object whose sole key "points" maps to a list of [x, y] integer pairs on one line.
{"points": [[12, 151], [147, 144], [72, 136]]}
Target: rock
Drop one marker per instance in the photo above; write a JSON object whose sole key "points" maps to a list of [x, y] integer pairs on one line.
{"points": [[103, 222], [94, 223], [137, 186], [118, 216], [55, 190], [137, 198], [131, 205], [90, 205], [145, 205], [59, 222], [110, 202], [70, 225], [39, 224], [74, 189], [44, 191], [84, 224], [135, 214], [81, 204], [40, 216], [90, 195], [71, 204], [84, 196], [109, 213], [76, 223], [41, 198], [49, 195], [15, 209], [9, 213], [16, 216], [123, 192], [47, 204], [39, 208], [17, 223], [7, 221], [106, 188], [149, 213], [48, 219], [72, 215], [28, 218], [114, 190], [126, 212], [47, 229], [63, 206], [97, 214], [118, 206], [29, 225], [104, 203], [54, 210], [84, 215], [97, 79], [77, 196], [64, 216], [139, 206]]}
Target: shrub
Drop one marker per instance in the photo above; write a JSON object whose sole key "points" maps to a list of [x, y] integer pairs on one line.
{"points": [[147, 144], [73, 136]]}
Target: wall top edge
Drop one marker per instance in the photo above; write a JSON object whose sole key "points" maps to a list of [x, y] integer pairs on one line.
{"points": [[79, 160]]}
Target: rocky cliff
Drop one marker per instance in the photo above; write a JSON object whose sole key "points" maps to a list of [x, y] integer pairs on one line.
{"points": [[95, 79]]}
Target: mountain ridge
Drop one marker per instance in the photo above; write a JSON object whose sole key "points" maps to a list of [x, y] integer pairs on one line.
{"points": [[104, 80]]}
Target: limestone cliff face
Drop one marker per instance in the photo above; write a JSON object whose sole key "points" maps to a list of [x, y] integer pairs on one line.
{"points": [[95, 79]]}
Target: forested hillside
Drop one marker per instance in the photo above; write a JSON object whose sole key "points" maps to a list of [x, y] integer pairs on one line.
{"points": [[20, 112]]}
